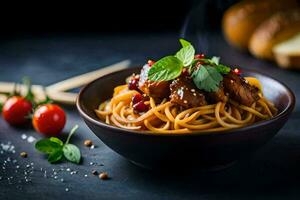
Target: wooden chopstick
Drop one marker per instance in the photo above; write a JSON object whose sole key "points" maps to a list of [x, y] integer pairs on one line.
{"points": [[37, 90], [57, 91], [83, 79]]}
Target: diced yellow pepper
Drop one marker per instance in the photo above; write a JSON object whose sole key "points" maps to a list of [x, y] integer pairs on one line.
{"points": [[254, 82]]}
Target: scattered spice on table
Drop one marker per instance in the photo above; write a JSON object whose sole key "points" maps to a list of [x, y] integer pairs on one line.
{"points": [[103, 176], [88, 143], [23, 154], [95, 172]]}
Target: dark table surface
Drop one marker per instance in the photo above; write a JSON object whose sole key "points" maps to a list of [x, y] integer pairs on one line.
{"points": [[273, 172]]}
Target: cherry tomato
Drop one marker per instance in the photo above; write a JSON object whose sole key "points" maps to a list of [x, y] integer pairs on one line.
{"points": [[49, 119], [16, 110]]}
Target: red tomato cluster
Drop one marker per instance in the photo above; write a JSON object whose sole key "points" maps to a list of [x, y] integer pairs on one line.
{"points": [[48, 119]]}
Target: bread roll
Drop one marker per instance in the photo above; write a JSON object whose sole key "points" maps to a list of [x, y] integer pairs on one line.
{"points": [[240, 20], [276, 29], [287, 53]]}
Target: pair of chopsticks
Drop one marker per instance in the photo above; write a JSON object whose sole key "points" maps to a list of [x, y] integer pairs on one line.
{"points": [[58, 92]]}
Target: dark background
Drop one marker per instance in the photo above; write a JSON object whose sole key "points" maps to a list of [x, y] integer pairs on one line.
{"points": [[48, 17]]}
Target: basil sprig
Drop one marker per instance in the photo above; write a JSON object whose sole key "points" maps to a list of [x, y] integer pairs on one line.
{"points": [[56, 149], [207, 78], [170, 67], [165, 69], [206, 73]]}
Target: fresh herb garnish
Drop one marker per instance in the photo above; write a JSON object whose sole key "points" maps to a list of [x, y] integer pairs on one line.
{"points": [[186, 54], [165, 69], [56, 149], [222, 69], [184, 43], [206, 73], [207, 78]]}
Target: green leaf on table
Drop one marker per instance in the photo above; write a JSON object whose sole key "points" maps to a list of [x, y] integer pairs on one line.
{"points": [[55, 156], [56, 140], [47, 146], [72, 153], [165, 69], [207, 78]]}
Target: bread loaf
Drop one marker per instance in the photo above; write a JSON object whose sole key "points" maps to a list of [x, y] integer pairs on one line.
{"points": [[241, 20], [276, 29], [287, 53]]}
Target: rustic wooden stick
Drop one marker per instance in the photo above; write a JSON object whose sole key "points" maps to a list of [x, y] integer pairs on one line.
{"points": [[37, 90], [57, 91], [83, 79]]}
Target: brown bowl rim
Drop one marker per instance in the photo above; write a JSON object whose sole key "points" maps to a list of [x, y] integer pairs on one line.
{"points": [[286, 111]]}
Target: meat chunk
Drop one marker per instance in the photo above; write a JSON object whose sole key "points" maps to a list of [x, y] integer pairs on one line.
{"points": [[155, 89], [185, 94], [218, 96], [239, 90]]}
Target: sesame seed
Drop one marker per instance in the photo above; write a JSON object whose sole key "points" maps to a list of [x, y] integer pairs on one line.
{"points": [[185, 101], [194, 94], [193, 90]]}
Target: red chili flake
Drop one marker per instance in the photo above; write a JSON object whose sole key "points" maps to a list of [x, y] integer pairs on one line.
{"points": [[185, 72], [237, 71], [133, 83], [151, 62], [199, 56], [137, 98], [140, 107]]}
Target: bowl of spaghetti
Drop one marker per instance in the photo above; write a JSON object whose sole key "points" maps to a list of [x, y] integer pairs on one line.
{"points": [[185, 109]]}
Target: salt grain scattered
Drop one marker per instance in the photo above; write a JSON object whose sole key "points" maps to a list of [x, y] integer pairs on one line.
{"points": [[24, 136], [31, 139]]}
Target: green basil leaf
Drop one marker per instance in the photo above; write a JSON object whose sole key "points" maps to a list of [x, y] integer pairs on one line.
{"points": [[223, 69], [186, 55], [184, 43], [72, 153], [215, 60], [55, 156], [56, 140], [207, 78], [165, 69], [47, 146]]}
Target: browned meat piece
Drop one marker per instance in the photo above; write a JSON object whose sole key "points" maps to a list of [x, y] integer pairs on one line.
{"points": [[184, 93], [239, 90], [155, 89], [218, 96]]}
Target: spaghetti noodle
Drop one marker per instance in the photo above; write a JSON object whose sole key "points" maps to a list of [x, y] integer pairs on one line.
{"points": [[166, 117]]}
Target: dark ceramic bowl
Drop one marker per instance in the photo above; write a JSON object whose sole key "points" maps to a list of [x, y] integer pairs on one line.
{"points": [[201, 150]]}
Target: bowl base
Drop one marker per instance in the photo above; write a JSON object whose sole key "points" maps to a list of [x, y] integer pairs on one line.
{"points": [[199, 168]]}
